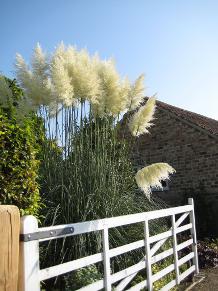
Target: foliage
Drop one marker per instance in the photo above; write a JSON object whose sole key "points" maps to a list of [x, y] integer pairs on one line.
{"points": [[18, 167], [19, 145], [167, 278], [10, 96], [207, 254], [212, 243], [82, 277]]}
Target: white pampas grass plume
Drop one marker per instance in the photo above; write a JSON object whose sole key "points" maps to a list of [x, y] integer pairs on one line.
{"points": [[136, 93], [80, 73], [111, 99], [151, 176], [69, 76], [39, 63], [36, 87], [61, 81], [23, 74], [141, 120]]}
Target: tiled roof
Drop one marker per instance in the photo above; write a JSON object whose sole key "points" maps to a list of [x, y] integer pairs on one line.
{"points": [[206, 123]]}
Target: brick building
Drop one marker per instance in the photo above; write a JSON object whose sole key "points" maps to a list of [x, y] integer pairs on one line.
{"points": [[187, 141]]}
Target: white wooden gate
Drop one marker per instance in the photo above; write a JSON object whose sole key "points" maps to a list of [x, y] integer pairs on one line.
{"points": [[31, 236]]}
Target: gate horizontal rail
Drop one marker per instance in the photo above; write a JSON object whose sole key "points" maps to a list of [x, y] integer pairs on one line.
{"points": [[31, 236]]}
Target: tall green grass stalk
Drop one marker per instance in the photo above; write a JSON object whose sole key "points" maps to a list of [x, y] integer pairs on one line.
{"points": [[86, 174]]}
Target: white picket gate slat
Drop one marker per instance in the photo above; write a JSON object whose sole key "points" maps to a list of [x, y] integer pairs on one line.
{"points": [[148, 256], [184, 244], [32, 275], [63, 268], [139, 286], [188, 272], [99, 285], [185, 259], [162, 256], [193, 232], [107, 270], [128, 271], [163, 272], [169, 286], [126, 248], [175, 253]]}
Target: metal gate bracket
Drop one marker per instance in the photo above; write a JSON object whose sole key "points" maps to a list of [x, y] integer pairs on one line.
{"points": [[46, 234]]}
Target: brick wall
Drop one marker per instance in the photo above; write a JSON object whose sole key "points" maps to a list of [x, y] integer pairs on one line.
{"points": [[191, 152]]}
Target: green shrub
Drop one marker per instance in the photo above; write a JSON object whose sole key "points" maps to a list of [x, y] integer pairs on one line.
{"points": [[18, 167], [19, 147], [167, 278], [82, 277]]}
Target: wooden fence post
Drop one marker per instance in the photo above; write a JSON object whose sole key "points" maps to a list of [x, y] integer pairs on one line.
{"points": [[9, 247], [29, 257]]}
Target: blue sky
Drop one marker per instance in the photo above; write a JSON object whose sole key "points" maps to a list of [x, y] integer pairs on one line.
{"points": [[174, 42]]}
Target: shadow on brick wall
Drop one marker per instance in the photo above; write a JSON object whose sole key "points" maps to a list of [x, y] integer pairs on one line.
{"points": [[206, 211]]}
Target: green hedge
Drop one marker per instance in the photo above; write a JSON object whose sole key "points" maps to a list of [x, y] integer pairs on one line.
{"points": [[19, 147]]}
